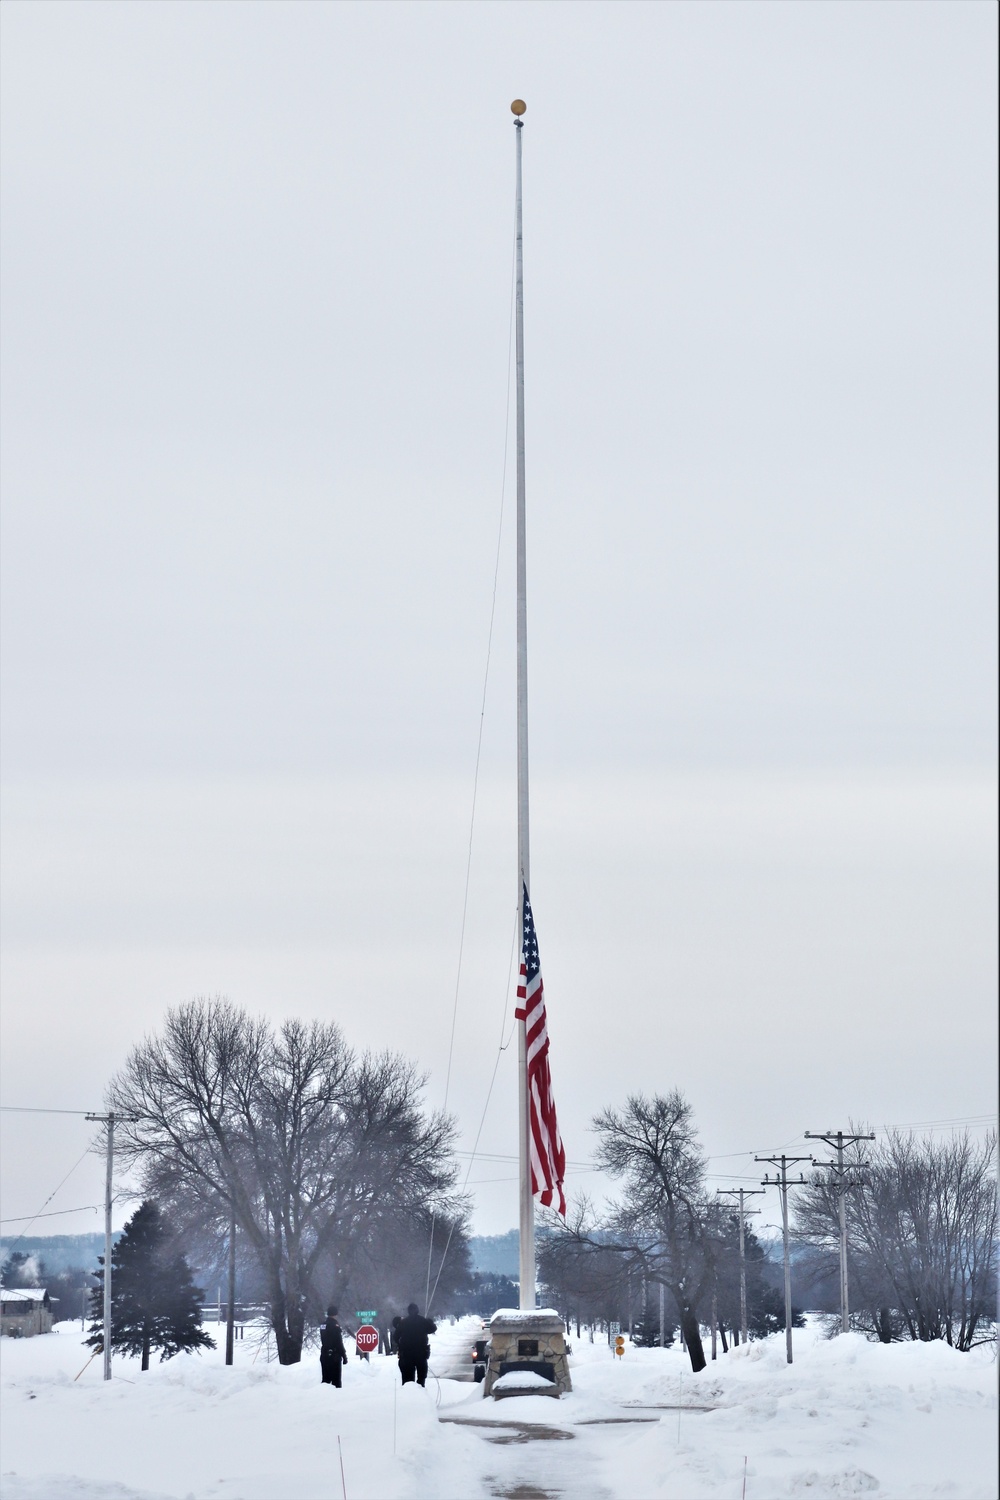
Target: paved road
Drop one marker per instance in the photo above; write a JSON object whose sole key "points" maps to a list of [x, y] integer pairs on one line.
{"points": [[553, 1459], [451, 1351]]}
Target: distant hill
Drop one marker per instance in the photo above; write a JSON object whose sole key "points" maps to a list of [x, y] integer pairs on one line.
{"points": [[60, 1252], [490, 1252], [496, 1252]]}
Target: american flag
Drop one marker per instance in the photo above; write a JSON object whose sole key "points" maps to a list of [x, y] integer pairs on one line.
{"points": [[548, 1159]]}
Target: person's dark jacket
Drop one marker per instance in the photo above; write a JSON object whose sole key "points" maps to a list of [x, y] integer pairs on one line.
{"points": [[331, 1342], [412, 1337]]}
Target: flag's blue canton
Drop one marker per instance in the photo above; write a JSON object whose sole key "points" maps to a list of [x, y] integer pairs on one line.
{"points": [[532, 962]]}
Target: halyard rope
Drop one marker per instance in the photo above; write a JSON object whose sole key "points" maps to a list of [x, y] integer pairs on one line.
{"points": [[479, 752]]}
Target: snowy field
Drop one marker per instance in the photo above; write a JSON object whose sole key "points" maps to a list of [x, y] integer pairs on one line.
{"points": [[849, 1418]]}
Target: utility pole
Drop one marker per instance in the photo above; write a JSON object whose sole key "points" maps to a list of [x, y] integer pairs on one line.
{"points": [[663, 1339], [107, 1120], [836, 1140], [782, 1183], [742, 1194], [231, 1302]]}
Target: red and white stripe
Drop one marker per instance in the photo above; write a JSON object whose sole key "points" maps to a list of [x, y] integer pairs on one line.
{"points": [[548, 1158]]}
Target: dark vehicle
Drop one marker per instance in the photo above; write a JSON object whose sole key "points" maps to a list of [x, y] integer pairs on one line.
{"points": [[480, 1358]]}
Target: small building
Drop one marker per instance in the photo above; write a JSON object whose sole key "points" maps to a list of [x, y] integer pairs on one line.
{"points": [[528, 1354], [25, 1311]]}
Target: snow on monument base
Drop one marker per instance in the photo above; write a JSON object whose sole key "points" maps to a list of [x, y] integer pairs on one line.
{"points": [[523, 1383], [527, 1354]]}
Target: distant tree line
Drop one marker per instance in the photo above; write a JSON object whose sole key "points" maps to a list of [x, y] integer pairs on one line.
{"points": [[484, 1292], [325, 1159], [922, 1229], [67, 1288]]}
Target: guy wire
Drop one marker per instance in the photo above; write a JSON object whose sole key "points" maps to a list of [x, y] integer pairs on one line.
{"points": [[479, 746]]}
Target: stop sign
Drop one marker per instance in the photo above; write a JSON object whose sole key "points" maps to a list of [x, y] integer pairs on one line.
{"points": [[366, 1339]]}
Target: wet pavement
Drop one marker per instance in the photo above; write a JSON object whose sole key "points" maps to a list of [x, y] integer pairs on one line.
{"points": [[539, 1460], [502, 1431]]}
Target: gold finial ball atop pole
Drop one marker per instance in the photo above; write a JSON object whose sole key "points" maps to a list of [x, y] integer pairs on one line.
{"points": [[518, 107]]}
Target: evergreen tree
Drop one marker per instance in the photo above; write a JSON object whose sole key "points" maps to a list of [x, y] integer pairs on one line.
{"points": [[766, 1312], [154, 1303], [765, 1291]]}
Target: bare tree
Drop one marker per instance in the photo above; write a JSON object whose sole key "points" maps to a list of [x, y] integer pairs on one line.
{"points": [[664, 1214], [664, 1229], [316, 1151], [922, 1236]]}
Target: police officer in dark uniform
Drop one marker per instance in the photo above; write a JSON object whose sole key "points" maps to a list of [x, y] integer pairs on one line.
{"points": [[332, 1354], [414, 1349]]}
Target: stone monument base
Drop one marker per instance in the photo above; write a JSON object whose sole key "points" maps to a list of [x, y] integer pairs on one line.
{"points": [[531, 1345]]}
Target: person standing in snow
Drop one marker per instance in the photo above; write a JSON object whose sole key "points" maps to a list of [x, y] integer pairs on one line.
{"points": [[332, 1354], [414, 1349]]}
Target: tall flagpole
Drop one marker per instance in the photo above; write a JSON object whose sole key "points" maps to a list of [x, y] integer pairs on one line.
{"points": [[527, 1202]]}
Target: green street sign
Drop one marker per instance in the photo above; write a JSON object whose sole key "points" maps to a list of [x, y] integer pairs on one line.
{"points": [[366, 1312]]}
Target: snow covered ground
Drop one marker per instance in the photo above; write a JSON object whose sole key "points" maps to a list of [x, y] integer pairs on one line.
{"points": [[848, 1418]]}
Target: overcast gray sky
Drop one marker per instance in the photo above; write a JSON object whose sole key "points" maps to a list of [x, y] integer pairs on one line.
{"points": [[256, 296]]}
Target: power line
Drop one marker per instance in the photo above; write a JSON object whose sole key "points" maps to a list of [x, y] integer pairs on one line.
{"points": [[958, 1120], [86, 1152], [972, 1120], [586, 1166], [482, 1181], [740, 1176], [27, 1109], [729, 1155], [53, 1214]]}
